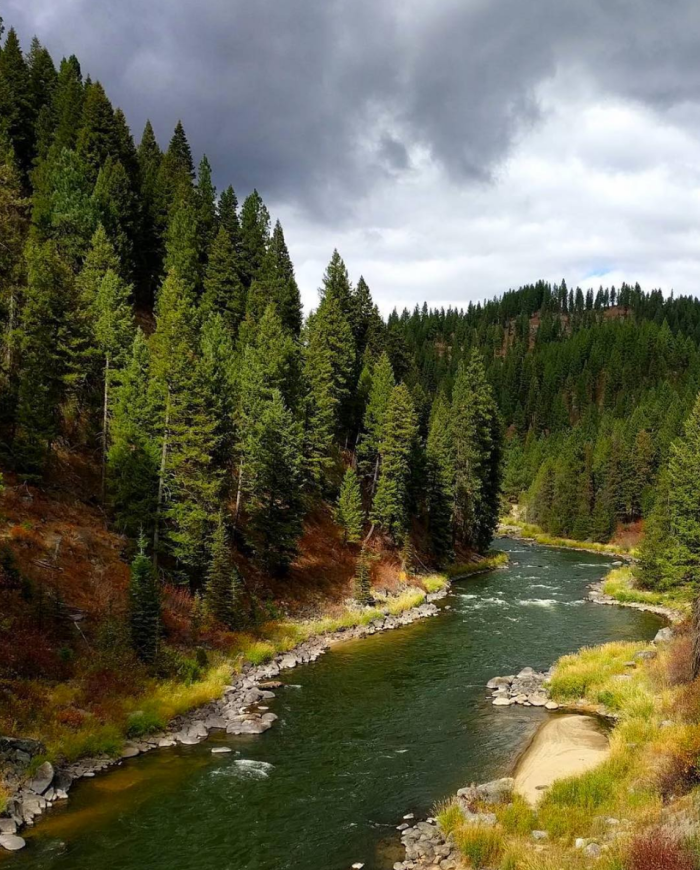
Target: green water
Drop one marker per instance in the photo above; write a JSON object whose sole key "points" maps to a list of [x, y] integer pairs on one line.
{"points": [[374, 729]]}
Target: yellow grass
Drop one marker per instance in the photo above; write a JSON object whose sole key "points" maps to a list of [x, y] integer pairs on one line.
{"points": [[494, 559], [620, 584], [528, 530]]}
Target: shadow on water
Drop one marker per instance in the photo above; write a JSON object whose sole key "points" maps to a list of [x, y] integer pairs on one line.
{"points": [[377, 728]]}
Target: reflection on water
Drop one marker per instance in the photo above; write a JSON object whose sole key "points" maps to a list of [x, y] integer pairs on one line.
{"points": [[376, 728]]}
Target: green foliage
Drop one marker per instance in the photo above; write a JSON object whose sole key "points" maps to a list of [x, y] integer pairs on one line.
{"points": [[363, 580], [223, 580], [272, 481], [145, 607], [390, 508], [349, 512]]}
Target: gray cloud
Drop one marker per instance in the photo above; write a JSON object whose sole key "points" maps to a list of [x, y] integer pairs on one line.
{"points": [[316, 101]]}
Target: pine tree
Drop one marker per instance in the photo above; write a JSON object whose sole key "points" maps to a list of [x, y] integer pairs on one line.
{"points": [[97, 138], [363, 580], [44, 329], [182, 244], [390, 508], [228, 216], [223, 580], [14, 224], [117, 210], [189, 483], [279, 275], [349, 512], [476, 456], [64, 209], [68, 104], [207, 218], [273, 484], [224, 293], [375, 413], [144, 598], [440, 477], [254, 237], [113, 339], [329, 365], [150, 247], [16, 105], [135, 451]]}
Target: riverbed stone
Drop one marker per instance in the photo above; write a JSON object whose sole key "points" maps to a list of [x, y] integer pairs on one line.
{"points": [[9, 826], [130, 751], [12, 842], [502, 701]]}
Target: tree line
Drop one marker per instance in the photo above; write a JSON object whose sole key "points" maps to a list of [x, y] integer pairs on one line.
{"points": [[150, 321]]}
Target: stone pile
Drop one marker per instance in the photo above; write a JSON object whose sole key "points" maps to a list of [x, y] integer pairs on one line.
{"points": [[241, 711], [526, 688], [426, 846]]}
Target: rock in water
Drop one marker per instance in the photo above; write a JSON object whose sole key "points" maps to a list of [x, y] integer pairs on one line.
{"points": [[12, 842]]}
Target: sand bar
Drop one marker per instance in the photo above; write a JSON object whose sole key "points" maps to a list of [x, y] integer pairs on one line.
{"points": [[564, 746]]}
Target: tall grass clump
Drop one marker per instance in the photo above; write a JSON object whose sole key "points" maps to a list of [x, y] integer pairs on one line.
{"points": [[482, 845], [581, 675]]}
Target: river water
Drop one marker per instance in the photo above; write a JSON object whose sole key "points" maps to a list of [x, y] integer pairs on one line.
{"points": [[374, 729]]}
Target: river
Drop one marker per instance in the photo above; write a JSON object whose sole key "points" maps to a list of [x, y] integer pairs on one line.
{"points": [[376, 728]]}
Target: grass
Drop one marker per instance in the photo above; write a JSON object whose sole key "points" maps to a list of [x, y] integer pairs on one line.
{"points": [[494, 559], [527, 530], [620, 584], [481, 845], [4, 796]]}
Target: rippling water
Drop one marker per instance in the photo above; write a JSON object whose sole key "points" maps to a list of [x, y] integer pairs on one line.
{"points": [[374, 729]]}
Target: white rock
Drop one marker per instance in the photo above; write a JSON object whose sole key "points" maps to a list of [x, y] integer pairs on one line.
{"points": [[8, 826], [12, 842], [551, 705], [357, 866], [220, 750], [664, 635], [540, 835]]}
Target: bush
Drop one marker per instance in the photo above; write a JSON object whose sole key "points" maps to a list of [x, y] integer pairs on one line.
{"points": [[656, 851], [481, 845], [143, 722]]}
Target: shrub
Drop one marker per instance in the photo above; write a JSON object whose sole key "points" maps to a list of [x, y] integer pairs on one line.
{"points": [[656, 851], [481, 845], [143, 722], [679, 661]]}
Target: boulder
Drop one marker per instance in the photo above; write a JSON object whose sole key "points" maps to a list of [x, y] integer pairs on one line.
{"points": [[42, 778], [8, 826], [593, 850], [130, 751], [664, 635], [498, 791], [502, 701], [540, 835], [499, 682], [12, 842]]}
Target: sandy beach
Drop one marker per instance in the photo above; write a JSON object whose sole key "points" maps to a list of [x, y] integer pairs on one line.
{"points": [[564, 746]]}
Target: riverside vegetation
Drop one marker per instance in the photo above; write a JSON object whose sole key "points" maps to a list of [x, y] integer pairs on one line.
{"points": [[196, 477]]}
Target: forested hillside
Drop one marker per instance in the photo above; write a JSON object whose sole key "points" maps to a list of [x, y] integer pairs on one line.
{"points": [[592, 390], [155, 365]]}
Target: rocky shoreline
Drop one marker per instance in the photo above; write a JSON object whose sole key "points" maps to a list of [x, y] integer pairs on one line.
{"points": [[598, 596], [242, 710]]}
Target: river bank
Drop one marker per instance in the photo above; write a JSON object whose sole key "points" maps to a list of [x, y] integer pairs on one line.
{"points": [[335, 756], [241, 710], [580, 797]]}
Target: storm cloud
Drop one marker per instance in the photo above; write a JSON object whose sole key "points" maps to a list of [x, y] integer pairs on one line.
{"points": [[347, 113]]}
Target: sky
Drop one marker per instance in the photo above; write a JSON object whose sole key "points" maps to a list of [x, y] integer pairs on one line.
{"points": [[450, 149]]}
